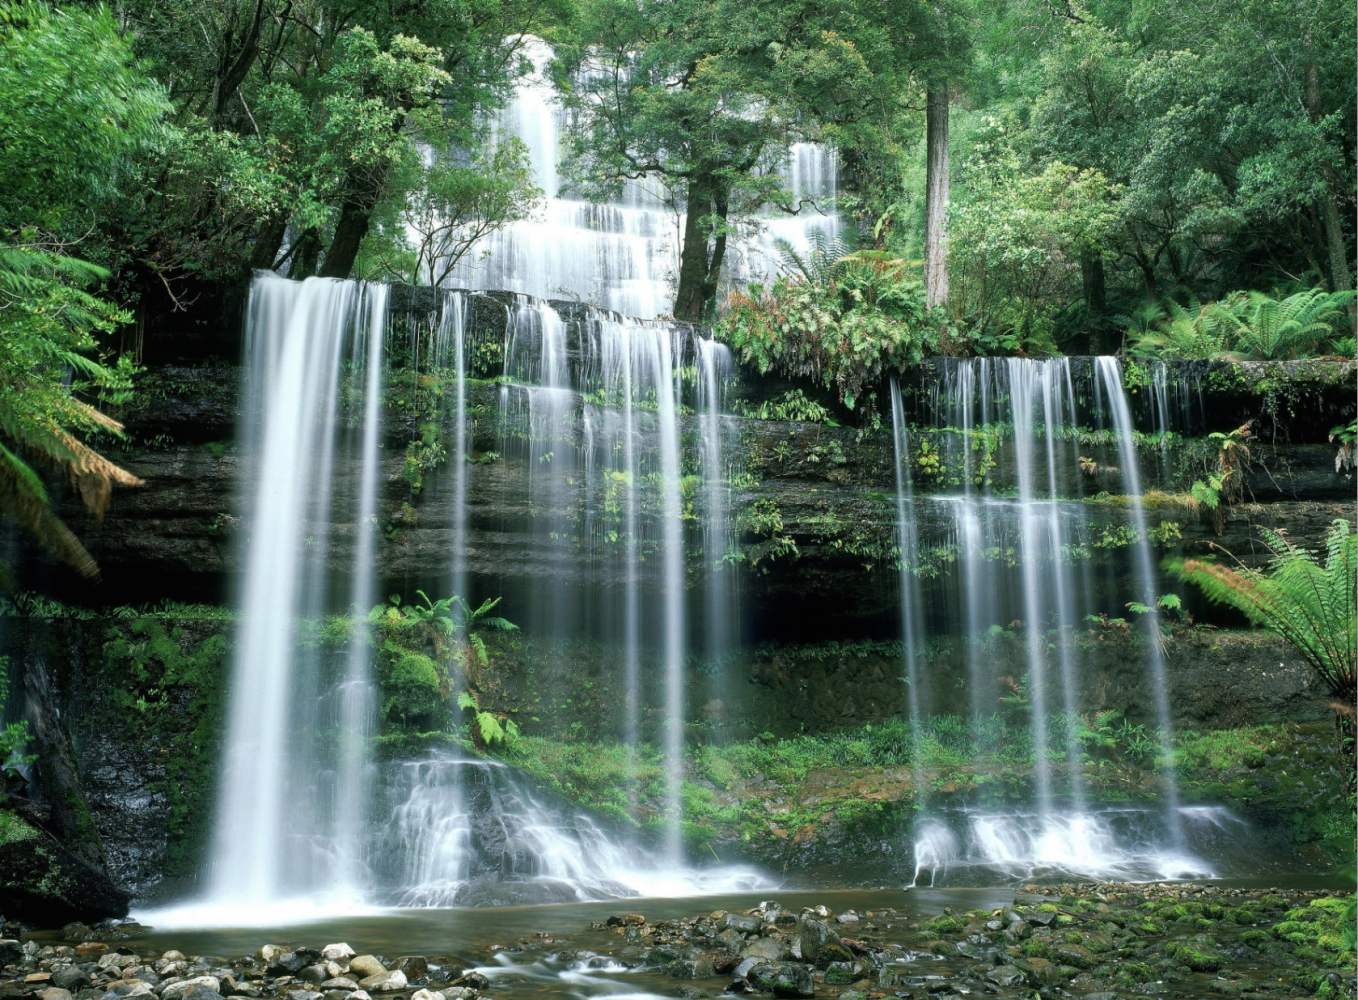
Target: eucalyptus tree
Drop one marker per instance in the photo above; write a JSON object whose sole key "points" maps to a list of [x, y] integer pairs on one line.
{"points": [[704, 96]]}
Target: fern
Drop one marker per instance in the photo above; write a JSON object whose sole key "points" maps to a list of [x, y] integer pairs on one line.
{"points": [[1269, 329], [1312, 606], [818, 263]]}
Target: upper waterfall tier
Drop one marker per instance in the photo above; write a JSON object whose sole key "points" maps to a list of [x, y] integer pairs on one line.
{"points": [[624, 254]]}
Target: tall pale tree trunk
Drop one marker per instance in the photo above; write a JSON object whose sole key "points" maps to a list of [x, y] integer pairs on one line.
{"points": [[936, 197], [1336, 252]]}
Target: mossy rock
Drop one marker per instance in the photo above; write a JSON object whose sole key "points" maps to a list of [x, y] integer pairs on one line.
{"points": [[44, 885], [1193, 958]]}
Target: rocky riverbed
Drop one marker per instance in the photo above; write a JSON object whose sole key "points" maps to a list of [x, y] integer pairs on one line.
{"points": [[1097, 941]]}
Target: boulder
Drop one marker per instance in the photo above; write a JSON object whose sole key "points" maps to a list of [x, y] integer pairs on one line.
{"points": [[414, 966], [813, 938], [1005, 975], [363, 966], [384, 982], [72, 977], [744, 923], [766, 949], [122, 989], [176, 991], [782, 979], [199, 991]]}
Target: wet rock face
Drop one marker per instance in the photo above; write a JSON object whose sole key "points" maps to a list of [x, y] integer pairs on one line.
{"points": [[831, 487], [44, 885]]}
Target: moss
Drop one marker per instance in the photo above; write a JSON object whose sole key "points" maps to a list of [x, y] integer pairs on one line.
{"points": [[1193, 958], [13, 829]]}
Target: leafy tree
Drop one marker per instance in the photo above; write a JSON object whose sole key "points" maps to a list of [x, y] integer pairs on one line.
{"points": [[74, 117], [453, 204]]}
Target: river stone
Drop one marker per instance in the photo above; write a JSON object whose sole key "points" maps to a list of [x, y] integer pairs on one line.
{"points": [[1040, 972], [360, 995], [54, 993], [240, 988], [336, 994], [732, 938], [426, 995], [291, 963], [744, 923], [11, 951], [313, 974], [784, 979], [337, 952], [414, 966], [1042, 917], [304, 995], [1073, 954], [1005, 975], [198, 991], [339, 983], [364, 966], [384, 982], [176, 990], [766, 949], [117, 960], [473, 981], [690, 967], [812, 938], [72, 977], [123, 988], [842, 973], [268, 952]]}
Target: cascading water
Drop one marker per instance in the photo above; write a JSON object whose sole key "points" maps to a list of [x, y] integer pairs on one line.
{"points": [[1110, 372], [281, 828], [907, 539], [1041, 531], [624, 255]]}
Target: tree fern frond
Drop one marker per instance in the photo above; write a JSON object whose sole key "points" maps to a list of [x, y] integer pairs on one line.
{"points": [[1313, 606]]}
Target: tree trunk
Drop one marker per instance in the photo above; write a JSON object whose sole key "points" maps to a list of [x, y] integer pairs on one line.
{"points": [[720, 208], [307, 252], [936, 197], [268, 242], [1336, 252], [349, 233], [690, 299], [1096, 294]]}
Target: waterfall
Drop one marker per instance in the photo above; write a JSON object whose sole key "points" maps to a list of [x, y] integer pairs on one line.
{"points": [[1110, 373], [910, 598], [1034, 520], [624, 255], [275, 833], [721, 621]]}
